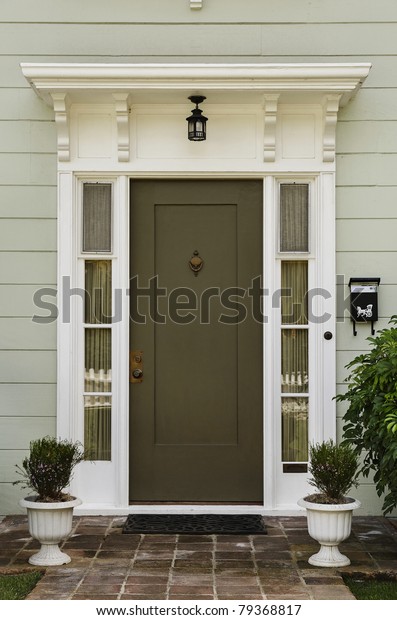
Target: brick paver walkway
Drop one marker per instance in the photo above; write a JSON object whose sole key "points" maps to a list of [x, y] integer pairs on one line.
{"points": [[109, 565]]}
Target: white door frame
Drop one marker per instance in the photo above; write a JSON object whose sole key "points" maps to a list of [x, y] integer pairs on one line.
{"points": [[277, 486]]}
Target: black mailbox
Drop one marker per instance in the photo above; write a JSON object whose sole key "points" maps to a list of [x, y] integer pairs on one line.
{"points": [[364, 301]]}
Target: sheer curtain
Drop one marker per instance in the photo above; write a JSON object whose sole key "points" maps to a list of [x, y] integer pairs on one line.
{"points": [[294, 361], [98, 358], [294, 217], [97, 217], [294, 300], [97, 427], [295, 429], [98, 291]]}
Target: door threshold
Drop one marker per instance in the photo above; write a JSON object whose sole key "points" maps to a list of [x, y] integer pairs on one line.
{"points": [[197, 507], [139, 503], [87, 509]]}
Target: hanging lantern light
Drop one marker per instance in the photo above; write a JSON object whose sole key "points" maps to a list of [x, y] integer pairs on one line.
{"points": [[197, 123]]}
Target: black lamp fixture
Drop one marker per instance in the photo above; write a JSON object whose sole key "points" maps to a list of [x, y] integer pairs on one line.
{"points": [[197, 123]]}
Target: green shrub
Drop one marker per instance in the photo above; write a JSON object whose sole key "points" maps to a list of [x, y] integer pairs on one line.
{"points": [[334, 472], [49, 467], [371, 418]]}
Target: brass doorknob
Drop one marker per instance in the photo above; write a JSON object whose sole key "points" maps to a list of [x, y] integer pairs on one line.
{"points": [[137, 373]]}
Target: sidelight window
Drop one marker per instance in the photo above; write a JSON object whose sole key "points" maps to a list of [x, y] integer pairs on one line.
{"points": [[96, 239], [295, 380]]}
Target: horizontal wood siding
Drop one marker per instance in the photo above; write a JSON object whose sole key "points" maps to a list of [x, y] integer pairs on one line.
{"points": [[214, 11], [28, 399], [169, 31]]}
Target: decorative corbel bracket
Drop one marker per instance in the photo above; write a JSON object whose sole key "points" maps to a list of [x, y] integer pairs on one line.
{"points": [[330, 117], [196, 4], [61, 109], [270, 103], [123, 126]]}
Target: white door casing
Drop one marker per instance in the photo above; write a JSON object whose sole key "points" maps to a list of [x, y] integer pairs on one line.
{"points": [[117, 122]]}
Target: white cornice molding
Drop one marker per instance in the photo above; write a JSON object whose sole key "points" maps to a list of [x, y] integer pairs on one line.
{"points": [[77, 79]]}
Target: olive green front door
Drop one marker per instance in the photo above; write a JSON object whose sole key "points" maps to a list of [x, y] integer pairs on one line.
{"points": [[196, 414]]}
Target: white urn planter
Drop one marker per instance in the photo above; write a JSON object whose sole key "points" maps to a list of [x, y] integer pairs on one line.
{"points": [[49, 523], [329, 524]]}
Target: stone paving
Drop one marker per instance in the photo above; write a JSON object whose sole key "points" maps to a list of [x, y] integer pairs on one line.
{"points": [[109, 565]]}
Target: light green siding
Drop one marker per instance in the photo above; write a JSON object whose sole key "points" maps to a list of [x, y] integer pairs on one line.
{"points": [[27, 399], [24, 430], [27, 201], [18, 300], [223, 11], [28, 268], [28, 136], [32, 334], [27, 263], [27, 234], [364, 202], [27, 366], [168, 31]]}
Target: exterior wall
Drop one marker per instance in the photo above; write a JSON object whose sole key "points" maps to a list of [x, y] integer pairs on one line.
{"points": [[169, 31]]}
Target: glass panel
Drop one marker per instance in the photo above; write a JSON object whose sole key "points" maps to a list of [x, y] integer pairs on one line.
{"points": [[294, 361], [294, 412], [98, 291], [97, 427], [97, 217], [98, 350], [294, 304], [294, 217]]}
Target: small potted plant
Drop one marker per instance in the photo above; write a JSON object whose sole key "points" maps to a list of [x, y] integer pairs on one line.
{"points": [[334, 471], [48, 471]]}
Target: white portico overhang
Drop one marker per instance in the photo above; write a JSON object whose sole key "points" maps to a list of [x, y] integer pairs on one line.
{"points": [[105, 116], [330, 84]]}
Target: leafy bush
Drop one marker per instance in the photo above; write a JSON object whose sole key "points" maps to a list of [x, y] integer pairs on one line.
{"points": [[334, 472], [49, 467], [371, 418]]}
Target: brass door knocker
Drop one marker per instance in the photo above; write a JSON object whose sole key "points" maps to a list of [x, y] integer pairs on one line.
{"points": [[196, 263]]}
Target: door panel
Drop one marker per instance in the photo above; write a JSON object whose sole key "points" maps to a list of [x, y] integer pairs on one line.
{"points": [[196, 418], [196, 349]]}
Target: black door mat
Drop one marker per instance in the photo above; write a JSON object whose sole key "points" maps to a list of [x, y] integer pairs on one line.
{"points": [[194, 524]]}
